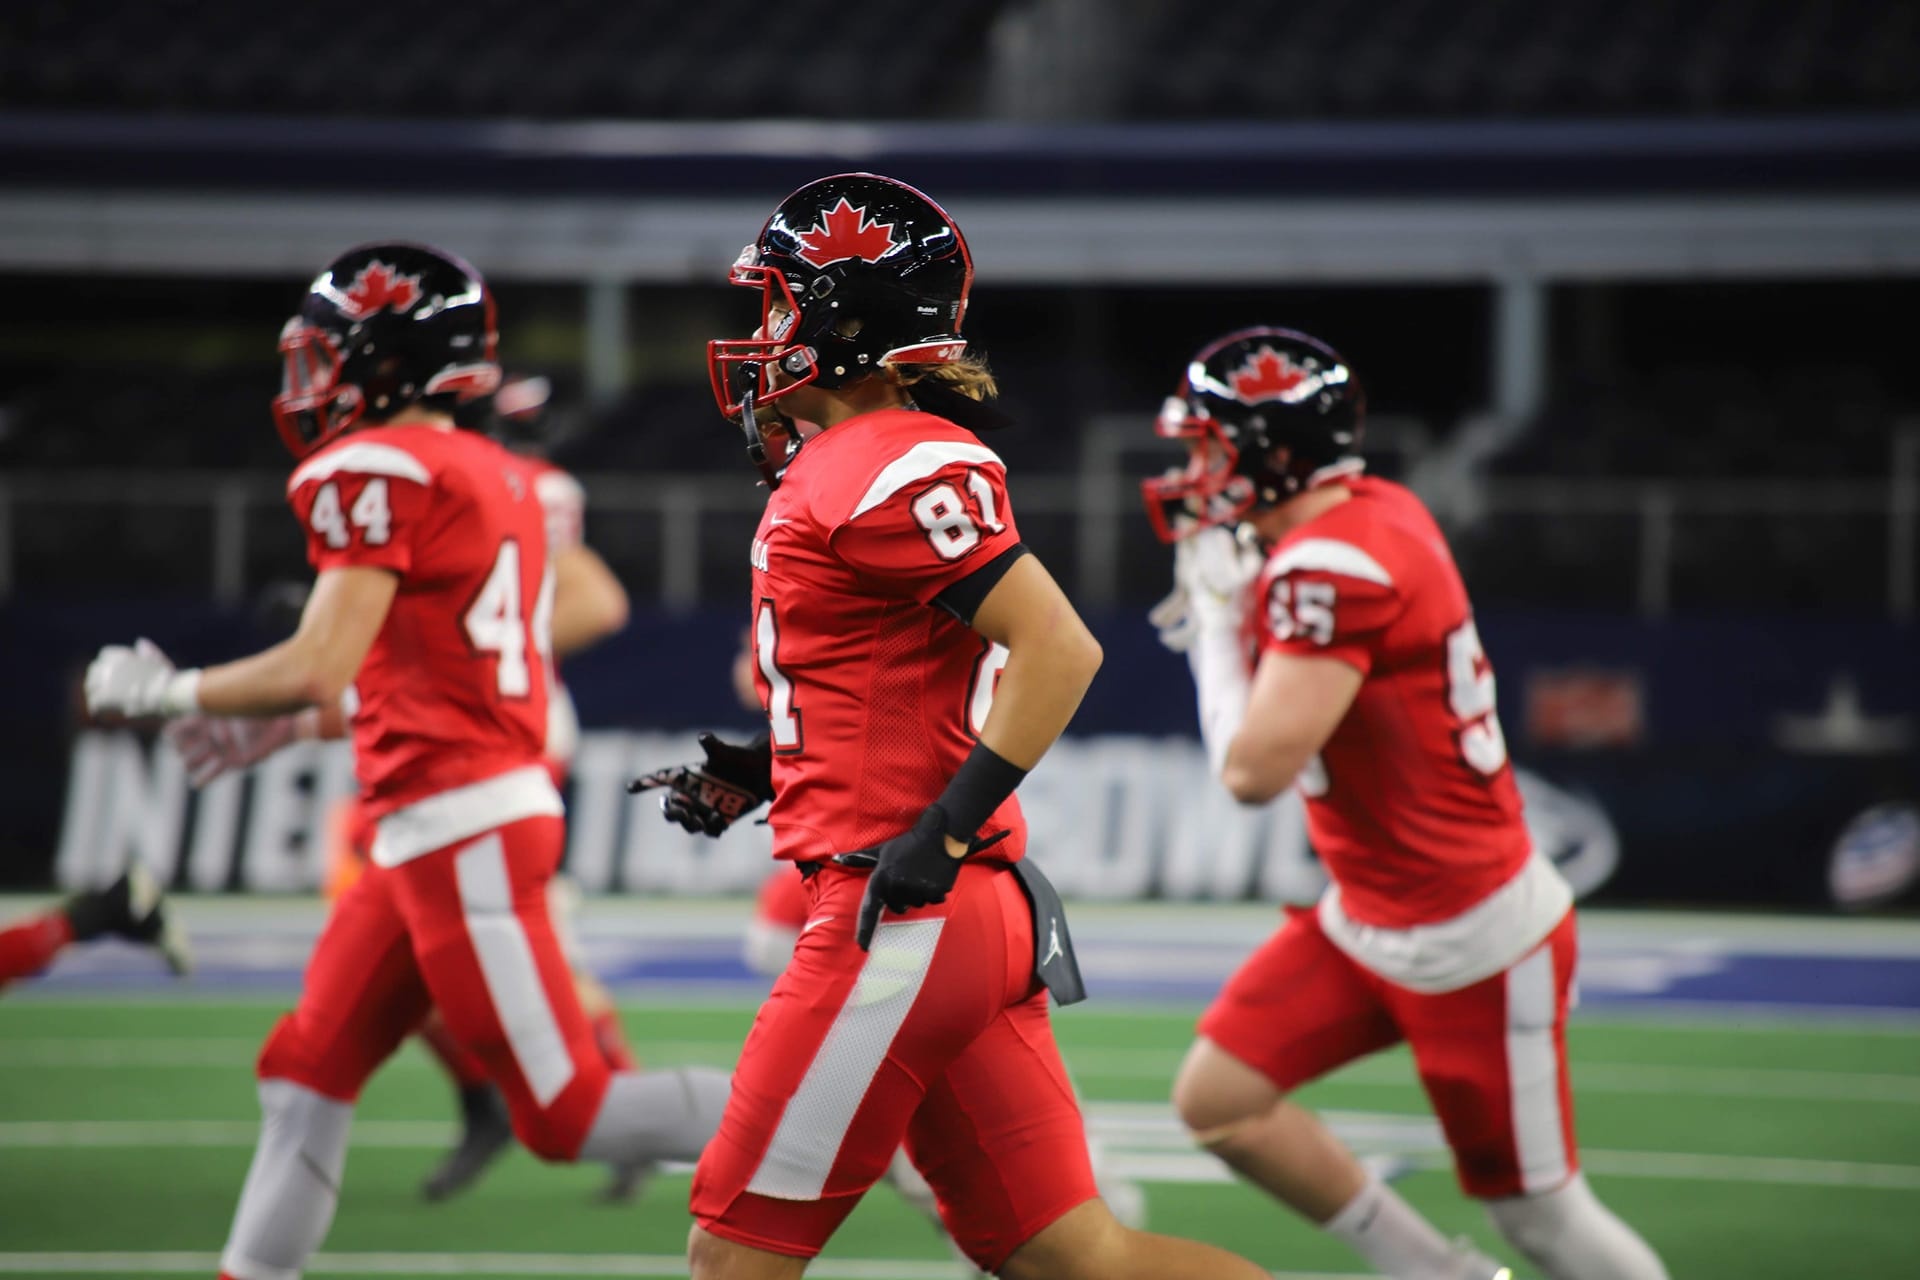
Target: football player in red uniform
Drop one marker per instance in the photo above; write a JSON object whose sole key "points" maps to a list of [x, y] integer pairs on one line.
{"points": [[891, 594], [432, 600], [131, 908], [780, 913], [589, 604], [1333, 648]]}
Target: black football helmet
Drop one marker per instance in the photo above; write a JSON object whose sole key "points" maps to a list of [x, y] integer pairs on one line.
{"points": [[1264, 413], [383, 327], [856, 272]]}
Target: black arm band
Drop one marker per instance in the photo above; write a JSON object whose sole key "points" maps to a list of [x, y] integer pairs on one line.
{"points": [[982, 785], [962, 599]]}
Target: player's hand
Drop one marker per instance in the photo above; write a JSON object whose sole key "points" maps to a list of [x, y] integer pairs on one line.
{"points": [[213, 746], [916, 868], [707, 797], [137, 682], [1217, 572], [1173, 619]]}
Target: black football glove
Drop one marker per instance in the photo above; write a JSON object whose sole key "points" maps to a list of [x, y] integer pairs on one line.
{"points": [[911, 870], [709, 796]]}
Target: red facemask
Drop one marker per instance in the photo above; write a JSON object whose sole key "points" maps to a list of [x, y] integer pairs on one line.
{"points": [[742, 368], [1206, 491]]}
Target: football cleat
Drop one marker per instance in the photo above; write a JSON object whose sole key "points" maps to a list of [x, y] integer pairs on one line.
{"points": [[626, 1181], [133, 908], [485, 1135]]}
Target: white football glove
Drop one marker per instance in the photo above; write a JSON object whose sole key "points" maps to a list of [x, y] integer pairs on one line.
{"points": [[139, 682], [1173, 619], [1217, 571], [1213, 570], [214, 746]]}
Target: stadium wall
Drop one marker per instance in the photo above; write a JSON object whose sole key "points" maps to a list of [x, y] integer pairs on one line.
{"points": [[1720, 770]]}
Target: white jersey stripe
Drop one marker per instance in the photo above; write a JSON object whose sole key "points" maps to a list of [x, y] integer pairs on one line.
{"points": [[448, 817], [821, 1110], [918, 463], [1332, 556], [508, 968], [364, 457], [1533, 1073]]}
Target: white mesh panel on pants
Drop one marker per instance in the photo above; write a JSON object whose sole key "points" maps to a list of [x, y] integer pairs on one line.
{"points": [[818, 1115]]}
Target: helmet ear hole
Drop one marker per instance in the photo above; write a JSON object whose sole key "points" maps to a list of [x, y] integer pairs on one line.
{"points": [[848, 327]]}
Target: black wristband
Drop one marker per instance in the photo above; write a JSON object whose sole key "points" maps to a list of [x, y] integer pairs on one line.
{"points": [[982, 785]]}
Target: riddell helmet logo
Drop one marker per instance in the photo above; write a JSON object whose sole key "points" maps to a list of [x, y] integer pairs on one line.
{"points": [[378, 287], [1267, 375], [844, 232]]}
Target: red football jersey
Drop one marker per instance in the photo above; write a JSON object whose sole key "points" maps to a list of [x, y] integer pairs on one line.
{"points": [[454, 690], [874, 695], [1411, 804]]}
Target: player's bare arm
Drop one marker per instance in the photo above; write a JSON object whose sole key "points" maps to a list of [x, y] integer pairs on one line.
{"points": [[1052, 658], [314, 666], [1296, 703], [589, 604], [310, 669]]}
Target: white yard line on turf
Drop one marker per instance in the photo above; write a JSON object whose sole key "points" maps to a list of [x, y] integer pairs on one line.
{"points": [[1143, 1141], [490, 1264], [1879, 1088]]}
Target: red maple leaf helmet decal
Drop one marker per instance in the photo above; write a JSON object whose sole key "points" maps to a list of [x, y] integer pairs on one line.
{"points": [[377, 287], [844, 232], [1267, 375]]}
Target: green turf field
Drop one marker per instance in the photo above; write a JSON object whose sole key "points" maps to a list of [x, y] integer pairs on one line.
{"points": [[1769, 1149]]}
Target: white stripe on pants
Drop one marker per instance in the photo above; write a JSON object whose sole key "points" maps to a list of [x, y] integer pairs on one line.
{"points": [[818, 1115], [507, 966]]}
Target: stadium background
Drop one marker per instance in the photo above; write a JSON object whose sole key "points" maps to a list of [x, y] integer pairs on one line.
{"points": [[1632, 286]]}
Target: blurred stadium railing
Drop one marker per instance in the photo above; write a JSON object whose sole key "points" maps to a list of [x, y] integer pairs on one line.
{"points": [[1648, 546]]}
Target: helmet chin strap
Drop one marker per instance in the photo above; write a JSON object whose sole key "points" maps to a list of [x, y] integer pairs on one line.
{"points": [[757, 443]]}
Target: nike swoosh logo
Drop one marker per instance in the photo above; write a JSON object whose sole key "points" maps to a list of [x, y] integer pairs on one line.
{"points": [[774, 520], [811, 925]]}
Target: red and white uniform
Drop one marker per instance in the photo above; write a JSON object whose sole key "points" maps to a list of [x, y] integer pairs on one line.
{"points": [[852, 664], [448, 741], [939, 1036], [563, 506], [1441, 925], [453, 690]]}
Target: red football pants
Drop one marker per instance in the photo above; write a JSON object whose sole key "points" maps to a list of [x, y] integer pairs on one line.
{"points": [[465, 929], [1492, 1056], [938, 1036]]}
